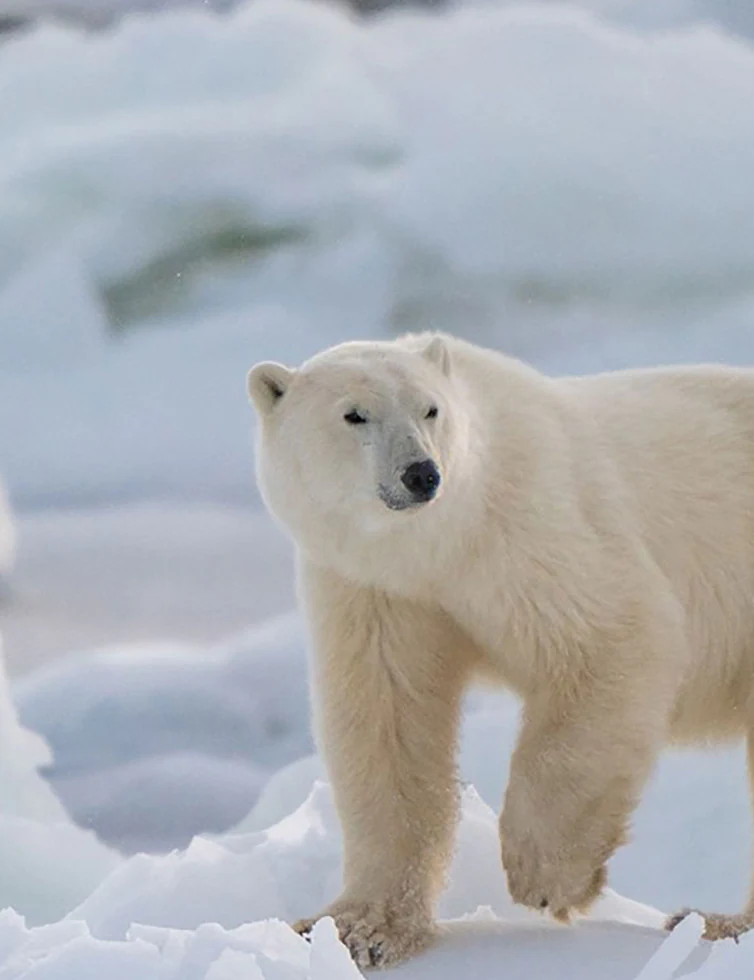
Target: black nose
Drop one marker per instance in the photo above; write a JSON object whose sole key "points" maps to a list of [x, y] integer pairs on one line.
{"points": [[421, 479]]}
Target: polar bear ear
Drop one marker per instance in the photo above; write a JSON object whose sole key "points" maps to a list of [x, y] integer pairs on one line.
{"points": [[266, 384], [438, 353]]}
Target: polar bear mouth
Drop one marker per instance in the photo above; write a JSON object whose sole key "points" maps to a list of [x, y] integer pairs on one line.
{"points": [[397, 503], [397, 500]]}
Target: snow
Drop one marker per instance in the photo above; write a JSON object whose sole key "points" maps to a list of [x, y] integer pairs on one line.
{"points": [[189, 916], [189, 726], [195, 912], [732, 15], [48, 863], [154, 745], [96, 13], [141, 572], [7, 535], [188, 194], [152, 741]]}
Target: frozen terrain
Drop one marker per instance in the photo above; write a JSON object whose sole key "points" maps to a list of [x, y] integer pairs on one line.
{"points": [[7, 538], [215, 910], [141, 572], [189, 194], [153, 744], [733, 15]]}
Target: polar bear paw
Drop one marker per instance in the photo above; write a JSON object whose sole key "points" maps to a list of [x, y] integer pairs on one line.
{"points": [[374, 934], [716, 926]]}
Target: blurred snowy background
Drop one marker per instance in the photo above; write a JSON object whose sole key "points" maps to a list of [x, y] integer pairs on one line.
{"points": [[184, 191]]}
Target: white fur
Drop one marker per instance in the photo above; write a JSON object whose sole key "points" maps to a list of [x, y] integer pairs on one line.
{"points": [[591, 548]]}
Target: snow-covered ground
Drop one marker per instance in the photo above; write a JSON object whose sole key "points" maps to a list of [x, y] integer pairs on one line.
{"points": [[140, 572], [154, 744], [7, 537], [192, 193], [215, 911]]}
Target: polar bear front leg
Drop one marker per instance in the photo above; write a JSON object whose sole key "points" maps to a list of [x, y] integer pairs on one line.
{"points": [[583, 756], [388, 678]]}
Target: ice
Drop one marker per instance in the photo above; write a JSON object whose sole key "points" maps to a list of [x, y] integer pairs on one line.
{"points": [[368, 108], [733, 15], [189, 194], [94, 13], [675, 950], [155, 744], [538, 193], [284, 792], [7, 536], [193, 910], [141, 572], [217, 908], [32, 331], [48, 864]]}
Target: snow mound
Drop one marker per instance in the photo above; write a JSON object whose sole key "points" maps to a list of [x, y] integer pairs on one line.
{"points": [[188, 194], [271, 143], [733, 15], [153, 745], [187, 916], [7, 536], [215, 911], [48, 864], [95, 13], [269, 950], [139, 573]]}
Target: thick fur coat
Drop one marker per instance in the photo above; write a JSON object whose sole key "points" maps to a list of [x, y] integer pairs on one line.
{"points": [[587, 542]]}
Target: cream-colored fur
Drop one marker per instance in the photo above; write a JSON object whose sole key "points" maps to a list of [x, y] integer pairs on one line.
{"points": [[591, 547]]}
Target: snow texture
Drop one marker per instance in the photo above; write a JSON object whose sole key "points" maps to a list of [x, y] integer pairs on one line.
{"points": [[733, 15], [154, 745], [48, 864], [7, 537], [190, 916], [188, 194]]}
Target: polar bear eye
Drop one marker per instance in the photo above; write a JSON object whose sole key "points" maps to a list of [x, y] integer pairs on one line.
{"points": [[354, 418], [432, 413]]}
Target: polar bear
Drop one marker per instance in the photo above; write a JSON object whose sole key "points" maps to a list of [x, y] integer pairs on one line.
{"points": [[588, 542]]}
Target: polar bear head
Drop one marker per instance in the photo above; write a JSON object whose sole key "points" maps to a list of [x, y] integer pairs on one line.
{"points": [[363, 434]]}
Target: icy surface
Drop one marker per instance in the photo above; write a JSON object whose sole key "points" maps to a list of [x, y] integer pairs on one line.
{"points": [[194, 909], [48, 864], [188, 194], [7, 537], [141, 572], [154, 745], [732, 15]]}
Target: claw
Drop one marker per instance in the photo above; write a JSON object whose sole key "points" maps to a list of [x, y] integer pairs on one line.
{"points": [[716, 926], [375, 954]]}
